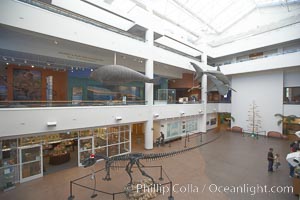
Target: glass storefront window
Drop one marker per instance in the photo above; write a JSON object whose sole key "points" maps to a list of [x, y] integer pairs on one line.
{"points": [[8, 152], [68, 135], [124, 148], [84, 155], [8, 157], [113, 138], [100, 137], [113, 150], [85, 144], [86, 133], [102, 151], [31, 169], [32, 154]]}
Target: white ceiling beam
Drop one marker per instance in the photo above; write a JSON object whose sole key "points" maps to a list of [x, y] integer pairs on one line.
{"points": [[236, 20], [141, 5], [193, 14]]}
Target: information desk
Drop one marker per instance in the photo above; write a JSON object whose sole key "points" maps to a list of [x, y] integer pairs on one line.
{"points": [[57, 159]]}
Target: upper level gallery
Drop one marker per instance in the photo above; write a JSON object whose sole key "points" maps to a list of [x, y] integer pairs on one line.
{"points": [[95, 31], [280, 56]]}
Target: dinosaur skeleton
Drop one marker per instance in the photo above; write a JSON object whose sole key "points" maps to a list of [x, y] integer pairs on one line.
{"points": [[135, 158]]}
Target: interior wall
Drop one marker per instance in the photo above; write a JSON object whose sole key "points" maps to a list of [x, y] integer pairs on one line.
{"points": [[156, 129], [292, 78], [266, 89]]}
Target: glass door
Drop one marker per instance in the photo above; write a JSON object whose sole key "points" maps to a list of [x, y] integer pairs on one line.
{"points": [[31, 162], [85, 148]]}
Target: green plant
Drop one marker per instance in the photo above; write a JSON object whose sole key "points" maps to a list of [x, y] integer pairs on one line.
{"points": [[285, 120], [226, 117]]}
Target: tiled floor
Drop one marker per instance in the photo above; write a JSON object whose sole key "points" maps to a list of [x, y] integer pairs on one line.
{"points": [[231, 162]]}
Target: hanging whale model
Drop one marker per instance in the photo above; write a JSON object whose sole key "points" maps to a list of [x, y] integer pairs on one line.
{"points": [[220, 81], [117, 74]]}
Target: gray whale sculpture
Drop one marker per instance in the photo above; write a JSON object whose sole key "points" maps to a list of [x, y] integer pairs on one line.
{"points": [[118, 74], [221, 82]]}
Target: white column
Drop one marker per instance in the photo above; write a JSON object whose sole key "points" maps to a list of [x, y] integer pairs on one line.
{"points": [[149, 71], [204, 96]]}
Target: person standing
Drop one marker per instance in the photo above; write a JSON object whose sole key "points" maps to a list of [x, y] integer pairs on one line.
{"points": [[276, 161], [270, 160]]}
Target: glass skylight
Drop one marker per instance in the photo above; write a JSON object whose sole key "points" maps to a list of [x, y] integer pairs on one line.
{"points": [[200, 19]]}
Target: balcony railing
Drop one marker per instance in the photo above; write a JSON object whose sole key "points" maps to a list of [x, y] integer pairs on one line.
{"points": [[32, 104], [26, 104], [255, 58]]}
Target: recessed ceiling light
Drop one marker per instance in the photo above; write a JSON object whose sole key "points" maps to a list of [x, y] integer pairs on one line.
{"points": [[32, 66]]}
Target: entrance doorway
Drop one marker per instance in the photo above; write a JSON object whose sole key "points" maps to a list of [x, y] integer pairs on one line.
{"points": [[59, 155], [138, 135], [31, 162]]}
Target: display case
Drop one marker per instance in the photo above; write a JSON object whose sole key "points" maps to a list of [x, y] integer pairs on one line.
{"points": [[167, 96], [8, 164], [8, 177]]}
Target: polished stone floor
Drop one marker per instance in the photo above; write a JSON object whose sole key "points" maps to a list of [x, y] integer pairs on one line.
{"points": [[231, 168]]}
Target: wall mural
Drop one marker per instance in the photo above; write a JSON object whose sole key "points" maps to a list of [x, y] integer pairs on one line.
{"points": [[27, 84]]}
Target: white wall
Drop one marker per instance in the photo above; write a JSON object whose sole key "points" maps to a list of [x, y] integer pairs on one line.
{"points": [[175, 110], [291, 110], [292, 78], [18, 121], [265, 88], [224, 107], [211, 108]]}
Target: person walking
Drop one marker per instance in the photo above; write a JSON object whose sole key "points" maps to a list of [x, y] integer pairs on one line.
{"points": [[270, 160]]}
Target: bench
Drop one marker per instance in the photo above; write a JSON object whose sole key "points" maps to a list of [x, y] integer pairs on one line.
{"points": [[237, 129], [276, 134]]}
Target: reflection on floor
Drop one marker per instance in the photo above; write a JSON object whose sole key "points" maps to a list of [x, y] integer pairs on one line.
{"points": [[232, 160]]}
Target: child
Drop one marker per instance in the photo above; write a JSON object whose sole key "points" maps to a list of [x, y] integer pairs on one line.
{"points": [[276, 161]]}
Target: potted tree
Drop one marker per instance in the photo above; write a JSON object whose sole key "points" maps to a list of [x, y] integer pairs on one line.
{"points": [[226, 118]]}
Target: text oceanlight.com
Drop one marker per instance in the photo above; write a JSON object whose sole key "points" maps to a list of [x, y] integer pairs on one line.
{"points": [[214, 188]]}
